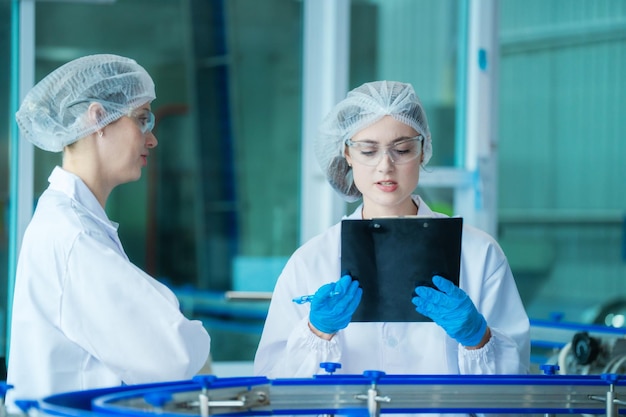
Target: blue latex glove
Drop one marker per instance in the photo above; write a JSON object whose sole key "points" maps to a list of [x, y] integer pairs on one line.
{"points": [[451, 309], [333, 304]]}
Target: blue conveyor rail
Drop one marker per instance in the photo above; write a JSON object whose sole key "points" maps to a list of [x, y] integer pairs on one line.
{"points": [[371, 393]]}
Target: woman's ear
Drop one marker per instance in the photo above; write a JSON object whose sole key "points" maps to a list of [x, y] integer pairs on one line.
{"points": [[347, 156], [95, 112]]}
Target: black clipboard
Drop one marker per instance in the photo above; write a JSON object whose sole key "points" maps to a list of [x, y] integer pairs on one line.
{"points": [[391, 256]]}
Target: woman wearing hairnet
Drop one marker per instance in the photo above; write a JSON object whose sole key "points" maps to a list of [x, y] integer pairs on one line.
{"points": [[83, 315], [371, 146]]}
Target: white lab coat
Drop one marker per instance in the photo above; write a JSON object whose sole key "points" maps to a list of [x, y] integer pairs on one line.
{"points": [[84, 316], [288, 349]]}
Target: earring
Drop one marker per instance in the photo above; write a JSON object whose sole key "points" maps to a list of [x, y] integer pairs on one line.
{"points": [[100, 133]]}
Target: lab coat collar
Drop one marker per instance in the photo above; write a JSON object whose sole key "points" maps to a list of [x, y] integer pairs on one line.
{"points": [[422, 210], [72, 186]]}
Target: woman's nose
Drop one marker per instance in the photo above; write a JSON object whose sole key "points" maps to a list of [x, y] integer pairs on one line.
{"points": [[386, 163], [151, 140]]}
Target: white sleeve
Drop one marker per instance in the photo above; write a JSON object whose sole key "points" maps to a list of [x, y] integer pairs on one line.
{"points": [[126, 319], [287, 347], [499, 356], [508, 351]]}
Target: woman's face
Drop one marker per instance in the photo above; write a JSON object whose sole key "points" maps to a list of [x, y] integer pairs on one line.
{"points": [[386, 187], [125, 147]]}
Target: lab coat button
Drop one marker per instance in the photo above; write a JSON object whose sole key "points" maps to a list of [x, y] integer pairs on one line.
{"points": [[392, 342]]}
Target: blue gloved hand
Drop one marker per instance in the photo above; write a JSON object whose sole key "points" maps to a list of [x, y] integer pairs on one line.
{"points": [[333, 304], [451, 309]]}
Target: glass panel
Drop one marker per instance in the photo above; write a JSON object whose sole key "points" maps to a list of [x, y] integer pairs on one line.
{"points": [[561, 155], [391, 39], [217, 207]]}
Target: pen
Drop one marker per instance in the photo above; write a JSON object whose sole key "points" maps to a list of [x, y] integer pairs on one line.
{"points": [[303, 299], [307, 298]]}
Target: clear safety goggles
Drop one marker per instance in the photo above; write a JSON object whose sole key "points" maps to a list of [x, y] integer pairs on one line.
{"points": [[144, 118], [371, 153]]}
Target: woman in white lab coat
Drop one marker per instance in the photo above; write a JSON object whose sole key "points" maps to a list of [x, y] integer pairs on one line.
{"points": [[371, 146], [84, 316]]}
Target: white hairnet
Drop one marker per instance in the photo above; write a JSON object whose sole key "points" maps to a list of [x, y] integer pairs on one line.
{"points": [[362, 107], [52, 114]]}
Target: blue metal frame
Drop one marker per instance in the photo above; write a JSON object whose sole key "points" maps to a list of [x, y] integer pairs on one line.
{"points": [[13, 164], [102, 402]]}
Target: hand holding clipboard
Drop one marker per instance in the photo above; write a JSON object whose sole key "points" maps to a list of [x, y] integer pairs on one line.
{"points": [[391, 256]]}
